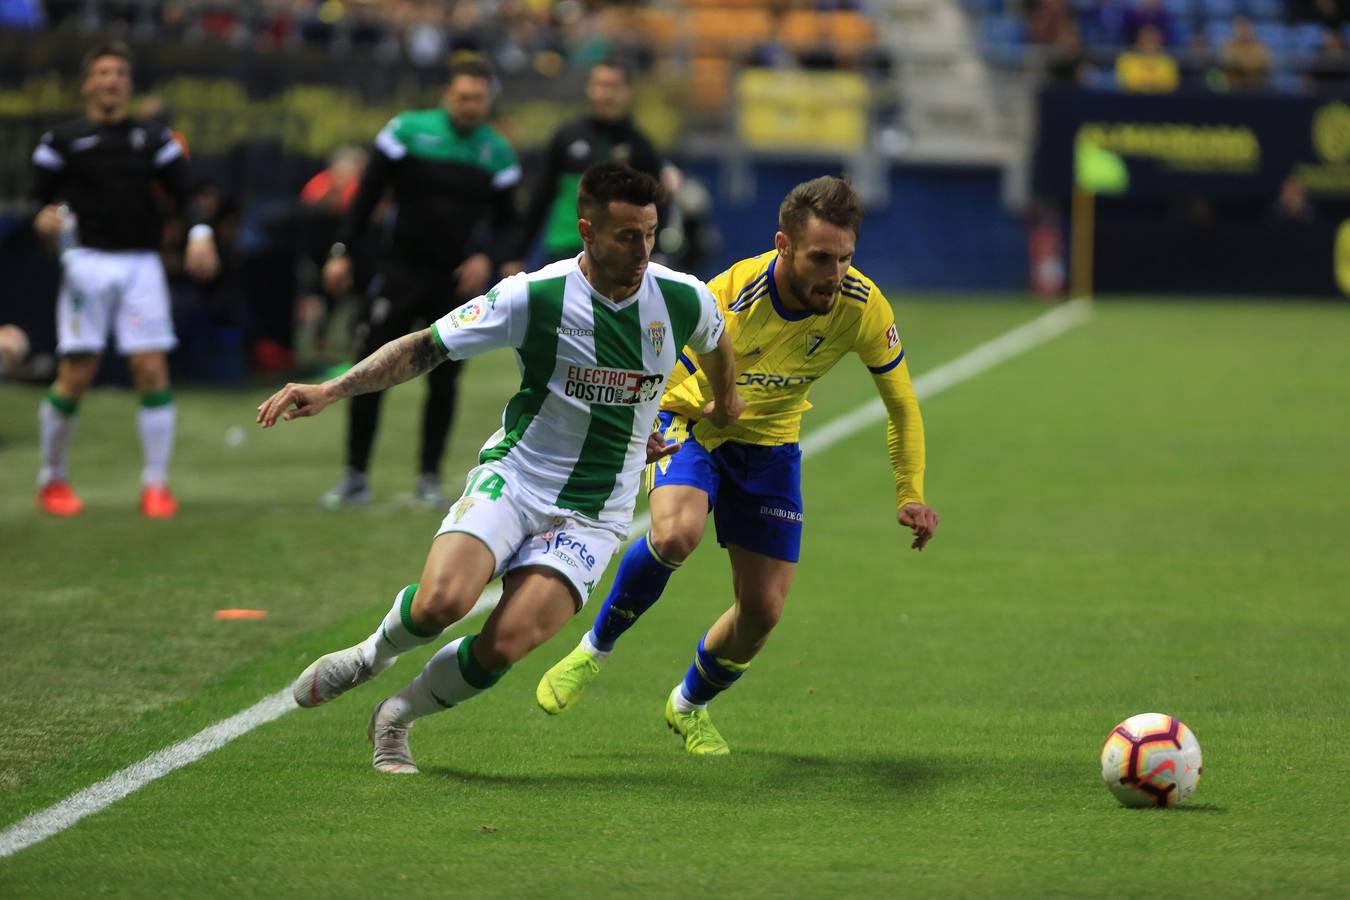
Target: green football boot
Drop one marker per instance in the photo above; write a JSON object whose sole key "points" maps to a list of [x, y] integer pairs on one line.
{"points": [[562, 685], [701, 736]]}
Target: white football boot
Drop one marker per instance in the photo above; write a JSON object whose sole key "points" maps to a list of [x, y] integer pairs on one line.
{"points": [[330, 676], [390, 738]]}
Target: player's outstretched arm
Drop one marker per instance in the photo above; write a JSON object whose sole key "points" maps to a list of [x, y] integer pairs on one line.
{"points": [[398, 361], [720, 367]]}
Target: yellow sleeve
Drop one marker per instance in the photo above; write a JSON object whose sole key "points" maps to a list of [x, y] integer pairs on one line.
{"points": [[904, 433], [879, 346]]}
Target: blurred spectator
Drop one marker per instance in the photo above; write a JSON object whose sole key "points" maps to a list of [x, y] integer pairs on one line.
{"points": [[1246, 61], [1150, 14], [1197, 63], [1049, 18], [1292, 206], [1330, 69], [1105, 23], [324, 200], [332, 189], [1331, 13], [13, 349], [1146, 67], [1067, 63]]}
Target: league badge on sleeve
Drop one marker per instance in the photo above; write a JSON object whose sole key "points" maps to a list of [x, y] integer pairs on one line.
{"points": [[470, 312]]}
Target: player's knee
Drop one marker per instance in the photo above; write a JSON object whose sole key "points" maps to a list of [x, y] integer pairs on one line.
{"points": [[149, 371], [675, 541], [507, 644], [75, 375], [440, 605], [760, 615]]}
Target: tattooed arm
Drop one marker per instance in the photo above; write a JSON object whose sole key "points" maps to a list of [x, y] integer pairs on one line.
{"points": [[396, 362]]}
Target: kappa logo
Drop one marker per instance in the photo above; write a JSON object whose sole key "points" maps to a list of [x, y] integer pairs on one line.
{"points": [[656, 335], [491, 297]]}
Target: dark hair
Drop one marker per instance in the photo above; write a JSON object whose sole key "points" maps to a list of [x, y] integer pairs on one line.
{"points": [[609, 182], [111, 48], [827, 198], [612, 62], [472, 65]]}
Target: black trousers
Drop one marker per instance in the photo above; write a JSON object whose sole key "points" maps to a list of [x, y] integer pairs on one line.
{"points": [[402, 297]]}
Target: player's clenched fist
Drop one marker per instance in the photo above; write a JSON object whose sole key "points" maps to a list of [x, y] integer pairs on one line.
{"points": [[920, 519], [307, 400]]}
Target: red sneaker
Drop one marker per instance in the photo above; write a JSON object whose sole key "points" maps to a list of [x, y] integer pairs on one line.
{"points": [[57, 498], [157, 502]]}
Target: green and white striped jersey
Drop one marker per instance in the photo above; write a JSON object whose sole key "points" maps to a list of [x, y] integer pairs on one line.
{"points": [[593, 371]]}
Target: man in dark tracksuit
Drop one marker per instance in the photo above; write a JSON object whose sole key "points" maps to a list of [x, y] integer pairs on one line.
{"points": [[606, 132], [450, 173]]}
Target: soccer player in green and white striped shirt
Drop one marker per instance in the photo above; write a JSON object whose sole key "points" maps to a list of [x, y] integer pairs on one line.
{"points": [[596, 338]]}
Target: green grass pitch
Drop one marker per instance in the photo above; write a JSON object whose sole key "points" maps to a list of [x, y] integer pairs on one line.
{"points": [[1149, 513]]}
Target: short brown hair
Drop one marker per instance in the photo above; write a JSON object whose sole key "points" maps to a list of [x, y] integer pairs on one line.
{"points": [[111, 48], [472, 65], [827, 198], [614, 63], [609, 182]]}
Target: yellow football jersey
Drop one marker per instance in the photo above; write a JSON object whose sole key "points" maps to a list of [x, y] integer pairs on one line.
{"points": [[781, 354]]}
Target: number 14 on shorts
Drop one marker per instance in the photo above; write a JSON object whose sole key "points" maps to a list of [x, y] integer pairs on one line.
{"points": [[487, 483]]}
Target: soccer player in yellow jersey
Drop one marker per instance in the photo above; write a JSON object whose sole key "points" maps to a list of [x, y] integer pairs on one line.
{"points": [[792, 313]]}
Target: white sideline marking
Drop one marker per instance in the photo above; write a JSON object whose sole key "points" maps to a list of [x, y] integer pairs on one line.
{"points": [[58, 818]]}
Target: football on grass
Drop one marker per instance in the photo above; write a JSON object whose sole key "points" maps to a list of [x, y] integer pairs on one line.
{"points": [[1151, 760]]}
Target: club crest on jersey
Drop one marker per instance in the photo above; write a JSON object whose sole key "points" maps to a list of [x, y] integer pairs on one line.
{"points": [[470, 312], [656, 335], [892, 336], [814, 340]]}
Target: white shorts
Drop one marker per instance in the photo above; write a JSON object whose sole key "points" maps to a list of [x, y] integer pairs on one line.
{"points": [[522, 532], [124, 290]]}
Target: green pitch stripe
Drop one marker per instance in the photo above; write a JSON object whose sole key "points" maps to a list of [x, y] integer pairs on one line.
{"points": [[539, 354], [618, 345]]}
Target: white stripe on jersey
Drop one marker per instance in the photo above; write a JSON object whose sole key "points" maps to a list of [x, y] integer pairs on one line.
{"points": [[388, 144], [46, 157], [168, 153], [506, 177]]}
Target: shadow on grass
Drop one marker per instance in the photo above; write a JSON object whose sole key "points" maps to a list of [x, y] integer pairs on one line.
{"points": [[1197, 808], [754, 773]]}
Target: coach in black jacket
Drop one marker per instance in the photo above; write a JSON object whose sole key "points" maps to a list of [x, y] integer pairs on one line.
{"points": [[606, 132]]}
